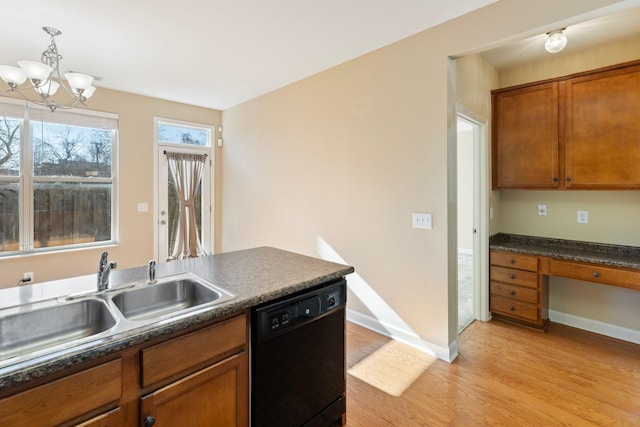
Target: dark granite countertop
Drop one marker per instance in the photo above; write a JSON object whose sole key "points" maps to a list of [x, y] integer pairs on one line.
{"points": [[254, 276], [572, 250]]}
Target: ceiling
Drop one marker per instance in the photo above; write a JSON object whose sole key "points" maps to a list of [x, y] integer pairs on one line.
{"points": [[213, 53], [219, 53], [583, 34]]}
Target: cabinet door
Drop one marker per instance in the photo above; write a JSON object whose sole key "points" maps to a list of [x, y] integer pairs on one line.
{"points": [[216, 396], [603, 130], [525, 137]]}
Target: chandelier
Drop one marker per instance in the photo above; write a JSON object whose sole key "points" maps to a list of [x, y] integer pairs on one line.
{"points": [[44, 78]]}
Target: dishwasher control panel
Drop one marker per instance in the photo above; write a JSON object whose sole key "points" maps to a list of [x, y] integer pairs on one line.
{"points": [[299, 309]]}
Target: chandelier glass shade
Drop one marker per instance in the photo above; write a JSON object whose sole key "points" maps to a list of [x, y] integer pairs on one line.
{"points": [[44, 78]]}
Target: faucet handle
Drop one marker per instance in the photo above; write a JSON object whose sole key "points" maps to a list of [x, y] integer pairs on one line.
{"points": [[151, 272]]}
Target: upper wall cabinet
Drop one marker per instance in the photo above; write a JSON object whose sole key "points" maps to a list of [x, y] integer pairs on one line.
{"points": [[576, 132], [525, 126]]}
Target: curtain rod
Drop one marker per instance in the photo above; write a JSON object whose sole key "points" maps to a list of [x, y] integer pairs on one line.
{"points": [[165, 152]]}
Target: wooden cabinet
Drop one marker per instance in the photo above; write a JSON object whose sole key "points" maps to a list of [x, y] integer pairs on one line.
{"points": [[216, 395], [194, 378], [67, 398], [575, 132], [517, 290], [602, 133], [525, 136]]}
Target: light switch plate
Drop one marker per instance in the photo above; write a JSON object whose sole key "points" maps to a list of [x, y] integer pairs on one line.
{"points": [[422, 220]]}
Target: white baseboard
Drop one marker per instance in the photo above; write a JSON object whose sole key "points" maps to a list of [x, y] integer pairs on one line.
{"points": [[404, 336], [596, 326]]}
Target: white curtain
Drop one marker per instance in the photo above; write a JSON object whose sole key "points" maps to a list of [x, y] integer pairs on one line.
{"points": [[187, 170]]}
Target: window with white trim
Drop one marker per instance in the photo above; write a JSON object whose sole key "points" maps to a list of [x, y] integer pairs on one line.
{"points": [[57, 178]]}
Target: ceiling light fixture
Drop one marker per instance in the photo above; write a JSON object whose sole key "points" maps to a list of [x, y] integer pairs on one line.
{"points": [[556, 42], [44, 78]]}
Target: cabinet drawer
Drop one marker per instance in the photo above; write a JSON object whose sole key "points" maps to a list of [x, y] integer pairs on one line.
{"points": [[110, 419], [511, 260], [596, 273], [514, 308], [519, 293], [64, 399], [514, 277], [169, 358]]}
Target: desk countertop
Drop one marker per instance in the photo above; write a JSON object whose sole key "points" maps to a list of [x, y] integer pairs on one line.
{"points": [[572, 250]]}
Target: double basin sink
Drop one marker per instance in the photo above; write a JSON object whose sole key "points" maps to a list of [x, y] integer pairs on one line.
{"points": [[30, 331]]}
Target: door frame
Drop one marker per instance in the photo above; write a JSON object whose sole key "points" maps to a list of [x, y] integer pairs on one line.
{"points": [[160, 172], [481, 209]]}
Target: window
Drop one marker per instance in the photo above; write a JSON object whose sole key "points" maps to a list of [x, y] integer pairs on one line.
{"points": [[176, 133], [57, 180]]}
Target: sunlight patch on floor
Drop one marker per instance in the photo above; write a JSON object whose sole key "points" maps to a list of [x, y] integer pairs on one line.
{"points": [[393, 367]]}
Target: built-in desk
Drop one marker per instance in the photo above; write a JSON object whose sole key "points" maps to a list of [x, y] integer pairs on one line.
{"points": [[521, 266]]}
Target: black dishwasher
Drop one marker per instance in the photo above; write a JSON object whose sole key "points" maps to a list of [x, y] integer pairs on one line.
{"points": [[298, 359]]}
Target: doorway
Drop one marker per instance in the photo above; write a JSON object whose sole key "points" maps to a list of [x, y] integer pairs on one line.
{"points": [[182, 140], [471, 220]]}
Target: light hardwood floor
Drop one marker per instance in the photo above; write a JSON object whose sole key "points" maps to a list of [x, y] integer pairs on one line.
{"points": [[507, 375]]}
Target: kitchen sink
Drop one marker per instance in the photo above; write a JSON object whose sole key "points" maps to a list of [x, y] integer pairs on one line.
{"points": [[44, 328], [61, 324], [169, 296]]}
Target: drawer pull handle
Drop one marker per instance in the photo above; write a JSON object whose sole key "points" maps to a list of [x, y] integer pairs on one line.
{"points": [[512, 308], [596, 274], [512, 276], [149, 421], [512, 293], [512, 261]]}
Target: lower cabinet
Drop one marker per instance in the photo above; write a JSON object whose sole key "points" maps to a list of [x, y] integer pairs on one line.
{"points": [[198, 378], [215, 396], [517, 290], [212, 396]]}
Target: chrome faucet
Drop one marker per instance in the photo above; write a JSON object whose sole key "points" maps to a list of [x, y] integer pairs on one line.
{"points": [[104, 270], [151, 272]]}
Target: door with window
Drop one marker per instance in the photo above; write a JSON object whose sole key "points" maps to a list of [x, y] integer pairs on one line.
{"points": [[184, 197]]}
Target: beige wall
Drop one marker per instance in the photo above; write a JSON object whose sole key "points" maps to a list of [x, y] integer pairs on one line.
{"points": [[348, 154], [613, 215], [135, 175]]}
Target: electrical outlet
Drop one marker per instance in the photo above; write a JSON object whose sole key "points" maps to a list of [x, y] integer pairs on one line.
{"points": [[27, 277], [583, 217], [422, 220], [542, 209]]}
